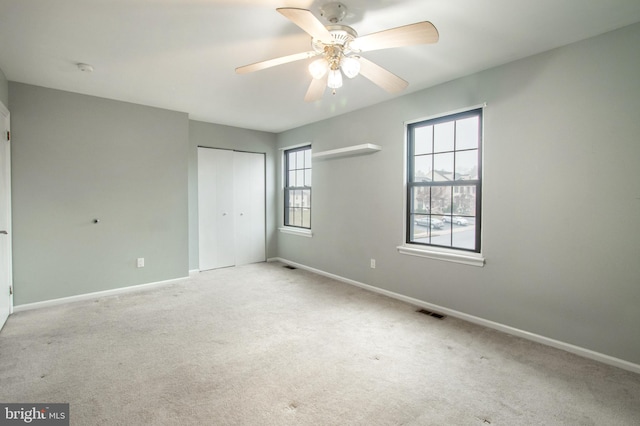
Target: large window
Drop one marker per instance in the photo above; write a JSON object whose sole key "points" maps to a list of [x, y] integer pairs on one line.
{"points": [[297, 187], [444, 181]]}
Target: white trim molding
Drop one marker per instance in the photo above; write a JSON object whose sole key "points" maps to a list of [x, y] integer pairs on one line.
{"points": [[94, 295], [577, 350], [457, 256], [296, 231]]}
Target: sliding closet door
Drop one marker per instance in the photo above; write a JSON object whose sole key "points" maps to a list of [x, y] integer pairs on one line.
{"points": [[216, 216], [249, 202]]}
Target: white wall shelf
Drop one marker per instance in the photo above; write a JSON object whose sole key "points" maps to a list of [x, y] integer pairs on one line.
{"points": [[366, 148]]}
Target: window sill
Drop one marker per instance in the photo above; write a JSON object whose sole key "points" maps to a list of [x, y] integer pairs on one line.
{"points": [[296, 231], [473, 259]]}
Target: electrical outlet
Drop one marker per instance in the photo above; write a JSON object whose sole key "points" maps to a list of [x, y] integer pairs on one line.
{"points": [[373, 264], [141, 262]]}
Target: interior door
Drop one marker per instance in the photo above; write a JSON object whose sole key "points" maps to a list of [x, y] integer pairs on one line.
{"points": [[249, 183], [216, 215], [5, 217]]}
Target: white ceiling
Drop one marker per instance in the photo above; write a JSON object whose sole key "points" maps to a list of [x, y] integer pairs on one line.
{"points": [[181, 54]]}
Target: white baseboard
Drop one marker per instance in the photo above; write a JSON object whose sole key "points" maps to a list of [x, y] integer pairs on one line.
{"points": [[94, 295], [577, 350]]}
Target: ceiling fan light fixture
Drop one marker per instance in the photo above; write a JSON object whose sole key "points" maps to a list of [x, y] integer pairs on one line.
{"points": [[350, 66], [335, 79], [318, 68]]}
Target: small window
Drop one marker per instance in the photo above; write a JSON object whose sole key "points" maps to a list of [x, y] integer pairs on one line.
{"points": [[297, 187], [444, 181]]}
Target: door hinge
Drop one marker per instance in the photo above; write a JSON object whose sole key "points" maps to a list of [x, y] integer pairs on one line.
{"points": [[8, 135], [11, 290]]}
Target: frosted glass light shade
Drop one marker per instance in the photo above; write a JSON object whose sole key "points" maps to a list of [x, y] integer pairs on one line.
{"points": [[350, 67], [318, 68], [335, 79]]}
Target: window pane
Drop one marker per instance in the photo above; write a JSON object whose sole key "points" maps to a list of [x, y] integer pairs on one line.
{"points": [[299, 177], [306, 218], [441, 200], [291, 216], [421, 199], [464, 233], [300, 160], [467, 165], [443, 137], [442, 236], [464, 201], [291, 160], [443, 167], [421, 228], [467, 133], [305, 198], [422, 168], [292, 198], [292, 179], [423, 139]]}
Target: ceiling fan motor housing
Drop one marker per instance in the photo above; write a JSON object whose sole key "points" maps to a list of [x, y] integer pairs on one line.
{"points": [[341, 35]]}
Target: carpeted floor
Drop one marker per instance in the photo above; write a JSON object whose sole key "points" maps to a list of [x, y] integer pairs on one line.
{"points": [[265, 345]]}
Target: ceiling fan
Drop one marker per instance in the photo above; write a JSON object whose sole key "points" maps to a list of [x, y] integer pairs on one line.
{"points": [[340, 48]]}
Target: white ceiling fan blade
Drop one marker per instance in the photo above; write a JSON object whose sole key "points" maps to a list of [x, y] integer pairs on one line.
{"points": [[380, 76], [274, 62], [418, 33], [316, 89], [308, 22]]}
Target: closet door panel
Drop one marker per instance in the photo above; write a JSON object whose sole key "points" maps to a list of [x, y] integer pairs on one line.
{"points": [[216, 215], [249, 182]]}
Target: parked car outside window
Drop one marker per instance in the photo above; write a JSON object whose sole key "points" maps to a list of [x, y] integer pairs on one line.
{"points": [[430, 222], [461, 221]]}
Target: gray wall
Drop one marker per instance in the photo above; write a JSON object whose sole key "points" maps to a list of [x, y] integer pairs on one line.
{"points": [[76, 158], [4, 89], [561, 230], [226, 137]]}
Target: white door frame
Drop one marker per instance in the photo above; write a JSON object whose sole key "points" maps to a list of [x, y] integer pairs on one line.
{"points": [[5, 169]]}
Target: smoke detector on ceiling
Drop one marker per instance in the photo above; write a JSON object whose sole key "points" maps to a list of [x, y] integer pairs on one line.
{"points": [[85, 67]]}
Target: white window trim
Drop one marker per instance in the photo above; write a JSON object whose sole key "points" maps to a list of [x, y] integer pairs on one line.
{"points": [[302, 232], [439, 253]]}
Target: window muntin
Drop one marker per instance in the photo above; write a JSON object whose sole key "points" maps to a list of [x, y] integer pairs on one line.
{"points": [[444, 181], [297, 187]]}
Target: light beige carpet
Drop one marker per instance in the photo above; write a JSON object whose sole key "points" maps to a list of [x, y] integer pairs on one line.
{"points": [[265, 345]]}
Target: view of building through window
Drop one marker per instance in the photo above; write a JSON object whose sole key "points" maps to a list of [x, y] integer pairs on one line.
{"points": [[297, 190], [444, 181]]}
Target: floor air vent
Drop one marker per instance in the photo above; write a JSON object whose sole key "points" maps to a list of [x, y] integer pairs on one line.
{"points": [[431, 314], [290, 267]]}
